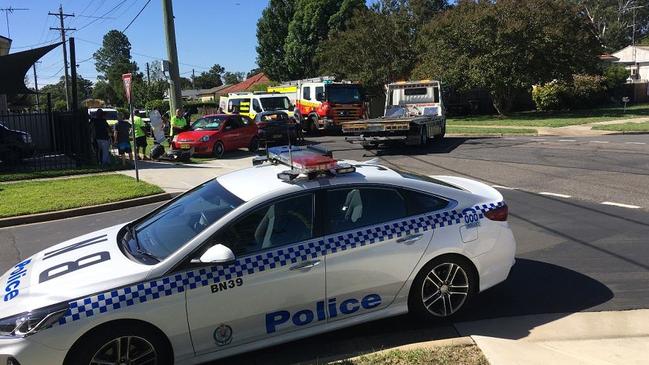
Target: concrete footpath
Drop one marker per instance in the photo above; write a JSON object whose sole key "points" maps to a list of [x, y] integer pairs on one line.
{"points": [[177, 178], [593, 338]]}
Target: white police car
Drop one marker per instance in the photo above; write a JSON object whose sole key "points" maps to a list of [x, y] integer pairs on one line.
{"points": [[255, 258]]}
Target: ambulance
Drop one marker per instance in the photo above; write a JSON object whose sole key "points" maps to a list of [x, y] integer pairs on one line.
{"points": [[253, 103]]}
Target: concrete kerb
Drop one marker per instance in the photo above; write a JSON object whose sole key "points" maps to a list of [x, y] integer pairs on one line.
{"points": [[75, 212]]}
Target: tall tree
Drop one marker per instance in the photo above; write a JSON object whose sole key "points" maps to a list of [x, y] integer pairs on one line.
{"points": [[272, 30], [311, 24], [209, 79], [232, 78], [57, 91], [507, 45], [114, 59], [385, 55], [613, 20]]}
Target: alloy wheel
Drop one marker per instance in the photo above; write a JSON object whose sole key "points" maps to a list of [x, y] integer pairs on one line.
{"points": [[126, 350], [445, 289]]}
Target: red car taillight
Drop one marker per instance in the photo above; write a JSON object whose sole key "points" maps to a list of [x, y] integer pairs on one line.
{"points": [[498, 214]]}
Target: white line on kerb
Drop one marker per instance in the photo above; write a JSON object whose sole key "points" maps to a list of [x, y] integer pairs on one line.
{"points": [[502, 187], [622, 205], [599, 141], [635, 142], [555, 194], [567, 140]]}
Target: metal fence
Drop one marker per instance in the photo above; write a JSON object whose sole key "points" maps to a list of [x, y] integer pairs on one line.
{"points": [[45, 141]]}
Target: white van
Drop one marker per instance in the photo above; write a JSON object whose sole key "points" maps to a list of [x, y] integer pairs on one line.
{"points": [[251, 104]]}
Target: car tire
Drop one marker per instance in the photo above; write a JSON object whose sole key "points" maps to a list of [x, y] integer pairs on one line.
{"points": [[442, 288], [218, 150], [440, 136], [254, 145], [116, 343], [312, 125]]}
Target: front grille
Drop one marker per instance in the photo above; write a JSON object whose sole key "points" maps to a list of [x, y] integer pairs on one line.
{"points": [[346, 113]]}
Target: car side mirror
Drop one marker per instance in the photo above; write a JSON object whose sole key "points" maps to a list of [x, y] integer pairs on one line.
{"points": [[217, 254]]}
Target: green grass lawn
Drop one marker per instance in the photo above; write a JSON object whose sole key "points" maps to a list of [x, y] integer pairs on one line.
{"points": [[45, 196], [487, 131], [626, 127], [448, 355], [15, 176], [554, 119]]}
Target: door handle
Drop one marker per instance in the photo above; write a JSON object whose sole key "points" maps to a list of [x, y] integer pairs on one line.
{"points": [[410, 239], [306, 265]]}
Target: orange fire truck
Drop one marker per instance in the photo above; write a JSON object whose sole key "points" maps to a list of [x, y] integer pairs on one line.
{"points": [[322, 103]]}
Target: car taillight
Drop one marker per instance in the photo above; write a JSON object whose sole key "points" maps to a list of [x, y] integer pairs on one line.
{"points": [[498, 214]]}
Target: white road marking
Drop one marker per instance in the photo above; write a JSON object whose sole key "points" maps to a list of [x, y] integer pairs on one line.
{"points": [[567, 140], [622, 205], [511, 138], [599, 141], [635, 142], [502, 187], [537, 139], [555, 194]]}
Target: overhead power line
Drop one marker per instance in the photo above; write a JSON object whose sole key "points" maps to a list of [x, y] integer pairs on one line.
{"points": [[136, 15], [102, 16], [10, 10]]}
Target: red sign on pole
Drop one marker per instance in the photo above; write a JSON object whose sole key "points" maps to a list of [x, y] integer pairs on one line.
{"points": [[126, 78]]}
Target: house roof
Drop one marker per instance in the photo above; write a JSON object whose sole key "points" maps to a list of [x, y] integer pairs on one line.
{"points": [[608, 57], [246, 84], [631, 54], [213, 90]]}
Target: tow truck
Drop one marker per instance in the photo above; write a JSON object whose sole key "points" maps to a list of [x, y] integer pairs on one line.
{"points": [[414, 114]]}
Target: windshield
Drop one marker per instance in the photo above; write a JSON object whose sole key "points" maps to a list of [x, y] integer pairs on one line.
{"points": [[167, 229], [343, 94], [208, 123], [276, 103]]}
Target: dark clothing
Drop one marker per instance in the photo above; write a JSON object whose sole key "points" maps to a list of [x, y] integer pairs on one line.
{"points": [[123, 128], [140, 142], [101, 128]]}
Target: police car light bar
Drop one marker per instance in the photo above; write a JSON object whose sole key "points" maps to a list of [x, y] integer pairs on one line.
{"points": [[311, 161]]}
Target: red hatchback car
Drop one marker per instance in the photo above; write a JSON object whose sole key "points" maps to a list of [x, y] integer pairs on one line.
{"points": [[217, 133]]}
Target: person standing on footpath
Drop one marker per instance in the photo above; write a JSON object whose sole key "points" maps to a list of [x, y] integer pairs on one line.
{"points": [[178, 123], [102, 136], [140, 135], [122, 138]]}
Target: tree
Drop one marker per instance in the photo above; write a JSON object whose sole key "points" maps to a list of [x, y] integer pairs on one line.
{"points": [[232, 78], [185, 83], [312, 22], [57, 91], [272, 30], [114, 59], [372, 50], [104, 92], [209, 79], [507, 46], [613, 20]]}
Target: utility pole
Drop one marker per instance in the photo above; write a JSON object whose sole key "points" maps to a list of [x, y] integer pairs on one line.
{"points": [[7, 11], [63, 29], [193, 77], [148, 75], [175, 96], [73, 73], [38, 97]]}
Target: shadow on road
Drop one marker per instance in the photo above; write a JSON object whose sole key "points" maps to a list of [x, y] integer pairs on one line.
{"points": [[533, 287]]}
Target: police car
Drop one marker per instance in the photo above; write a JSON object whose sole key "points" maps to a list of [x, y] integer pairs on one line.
{"points": [[297, 245]]}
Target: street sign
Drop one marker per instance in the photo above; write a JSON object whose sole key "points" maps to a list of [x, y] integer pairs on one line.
{"points": [[126, 78]]}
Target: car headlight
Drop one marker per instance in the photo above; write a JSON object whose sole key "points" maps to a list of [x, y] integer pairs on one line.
{"points": [[28, 323], [205, 138]]}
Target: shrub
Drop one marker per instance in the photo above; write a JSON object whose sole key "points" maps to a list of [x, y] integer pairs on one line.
{"points": [[551, 96], [159, 104], [587, 90]]}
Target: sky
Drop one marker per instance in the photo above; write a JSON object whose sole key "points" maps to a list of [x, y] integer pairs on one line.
{"points": [[207, 32]]}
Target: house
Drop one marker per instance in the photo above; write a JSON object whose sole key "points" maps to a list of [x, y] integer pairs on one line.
{"points": [[247, 84], [636, 60], [212, 94]]}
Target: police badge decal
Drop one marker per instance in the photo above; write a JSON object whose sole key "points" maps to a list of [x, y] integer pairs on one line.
{"points": [[223, 335]]}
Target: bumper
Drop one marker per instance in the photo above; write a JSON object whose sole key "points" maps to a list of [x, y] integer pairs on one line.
{"points": [[328, 124], [28, 352], [494, 265], [194, 147]]}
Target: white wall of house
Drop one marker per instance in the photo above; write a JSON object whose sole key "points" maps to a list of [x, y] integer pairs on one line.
{"points": [[636, 60]]}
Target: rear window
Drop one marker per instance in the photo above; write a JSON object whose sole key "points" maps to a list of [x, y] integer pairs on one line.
{"points": [[410, 175], [416, 91], [420, 203]]}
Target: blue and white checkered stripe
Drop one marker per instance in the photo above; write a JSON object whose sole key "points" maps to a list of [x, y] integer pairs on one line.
{"points": [[178, 283]]}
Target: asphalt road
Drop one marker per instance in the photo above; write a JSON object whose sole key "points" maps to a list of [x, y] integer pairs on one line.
{"points": [[574, 253]]}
